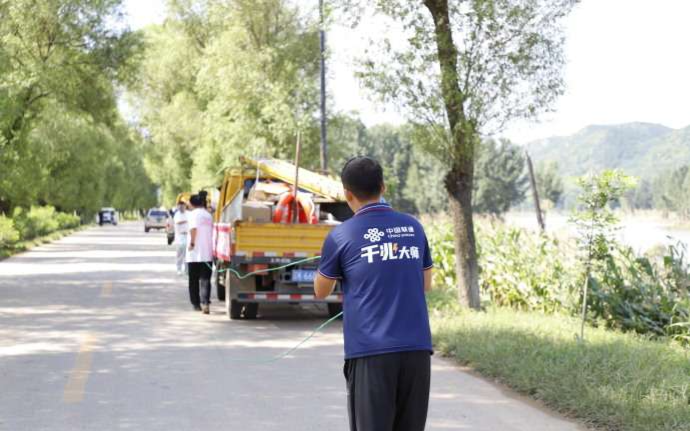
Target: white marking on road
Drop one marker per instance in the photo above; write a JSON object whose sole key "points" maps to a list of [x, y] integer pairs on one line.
{"points": [[74, 389]]}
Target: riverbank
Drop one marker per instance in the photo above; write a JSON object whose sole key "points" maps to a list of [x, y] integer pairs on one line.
{"points": [[642, 230]]}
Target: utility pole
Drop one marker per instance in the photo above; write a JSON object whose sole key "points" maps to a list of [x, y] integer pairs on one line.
{"points": [[322, 43], [298, 155], [535, 192]]}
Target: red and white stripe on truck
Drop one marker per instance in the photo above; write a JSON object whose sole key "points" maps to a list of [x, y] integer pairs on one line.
{"points": [[286, 297]]}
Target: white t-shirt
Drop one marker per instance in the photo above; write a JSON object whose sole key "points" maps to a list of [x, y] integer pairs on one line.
{"points": [[201, 220], [181, 226]]}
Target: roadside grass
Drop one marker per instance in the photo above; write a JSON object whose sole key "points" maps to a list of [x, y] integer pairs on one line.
{"points": [[611, 381], [26, 245]]}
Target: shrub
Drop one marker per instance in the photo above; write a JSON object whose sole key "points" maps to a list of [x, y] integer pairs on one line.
{"points": [[644, 294], [67, 221], [517, 268], [38, 221], [444, 293], [525, 270], [41, 221], [8, 234]]}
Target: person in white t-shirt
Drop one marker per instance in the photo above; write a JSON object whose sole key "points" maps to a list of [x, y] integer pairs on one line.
{"points": [[200, 253], [180, 226]]}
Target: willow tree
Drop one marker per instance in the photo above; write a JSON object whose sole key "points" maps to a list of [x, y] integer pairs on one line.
{"points": [[56, 56], [223, 78], [464, 69]]}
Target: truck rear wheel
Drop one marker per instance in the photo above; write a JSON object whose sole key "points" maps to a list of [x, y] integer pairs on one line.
{"points": [[251, 309], [334, 308], [220, 287], [235, 309]]}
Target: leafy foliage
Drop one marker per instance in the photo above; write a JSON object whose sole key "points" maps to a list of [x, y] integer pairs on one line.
{"points": [[549, 184], [594, 219], [518, 269], [463, 70], [671, 191], [529, 271], [8, 233], [41, 221], [412, 177], [525, 271], [642, 196], [62, 142], [500, 177], [509, 60], [643, 294], [223, 79]]}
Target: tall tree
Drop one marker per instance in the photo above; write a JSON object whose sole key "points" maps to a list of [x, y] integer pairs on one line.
{"points": [[672, 191], [500, 177], [549, 183], [224, 78], [59, 60], [467, 68], [60, 49]]}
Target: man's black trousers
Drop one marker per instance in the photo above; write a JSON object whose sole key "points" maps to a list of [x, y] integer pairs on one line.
{"points": [[388, 392], [199, 282]]}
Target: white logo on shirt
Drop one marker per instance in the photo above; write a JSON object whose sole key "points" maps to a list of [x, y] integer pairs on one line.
{"points": [[389, 251], [374, 235], [400, 232]]}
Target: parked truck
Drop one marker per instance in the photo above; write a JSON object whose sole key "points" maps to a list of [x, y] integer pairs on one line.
{"points": [[260, 224]]}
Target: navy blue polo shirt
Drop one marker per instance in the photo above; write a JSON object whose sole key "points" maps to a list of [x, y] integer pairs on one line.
{"points": [[380, 256]]}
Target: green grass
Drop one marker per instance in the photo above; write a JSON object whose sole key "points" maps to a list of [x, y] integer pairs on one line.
{"points": [[22, 246], [612, 381]]}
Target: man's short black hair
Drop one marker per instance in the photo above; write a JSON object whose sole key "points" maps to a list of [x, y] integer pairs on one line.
{"points": [[363, 176], [197, 201]]}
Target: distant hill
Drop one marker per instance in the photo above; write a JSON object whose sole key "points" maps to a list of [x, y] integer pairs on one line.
{"points": [[640, 149]]}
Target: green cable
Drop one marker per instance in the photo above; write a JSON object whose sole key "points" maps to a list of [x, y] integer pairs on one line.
{"points": [[295, 347], [307, 338], [262, 271]]}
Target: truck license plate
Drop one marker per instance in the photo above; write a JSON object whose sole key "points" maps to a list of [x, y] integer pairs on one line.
{"points": [[303, 275]]}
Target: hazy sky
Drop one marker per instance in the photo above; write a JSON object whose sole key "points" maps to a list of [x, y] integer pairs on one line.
{"points": [[627, 61]]}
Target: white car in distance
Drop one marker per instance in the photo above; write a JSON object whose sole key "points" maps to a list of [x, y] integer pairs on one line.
{"points": [[155, 219]]}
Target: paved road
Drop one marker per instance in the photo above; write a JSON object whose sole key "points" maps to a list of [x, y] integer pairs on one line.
{"points": [[96, 333]]}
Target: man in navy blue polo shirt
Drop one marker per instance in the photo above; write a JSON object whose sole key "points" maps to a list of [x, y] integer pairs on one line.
{"points": [[383, 261]]}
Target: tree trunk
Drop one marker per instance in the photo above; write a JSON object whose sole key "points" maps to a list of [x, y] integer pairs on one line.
{"points": [[535, 193], [459, 180], [459, 188]]}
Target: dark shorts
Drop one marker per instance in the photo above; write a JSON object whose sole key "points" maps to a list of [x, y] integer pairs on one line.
{"points": [[388, 392]]}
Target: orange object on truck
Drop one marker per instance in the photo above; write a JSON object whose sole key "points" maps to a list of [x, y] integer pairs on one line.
{"points": [[254, 232]]}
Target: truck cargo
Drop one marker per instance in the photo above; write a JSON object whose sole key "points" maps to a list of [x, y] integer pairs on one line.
{"points": [[263, 226]]}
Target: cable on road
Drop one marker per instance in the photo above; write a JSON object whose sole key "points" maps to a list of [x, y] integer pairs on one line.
{"points": [[263, 271], [318, 329], [287, 353]]}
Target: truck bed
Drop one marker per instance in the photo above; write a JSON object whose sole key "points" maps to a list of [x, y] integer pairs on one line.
{"points": [[259, 240]]}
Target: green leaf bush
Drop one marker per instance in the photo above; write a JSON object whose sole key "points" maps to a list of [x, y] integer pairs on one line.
{"points": [[645, 294], [8, 233], [36, 222], [67, 221]]}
